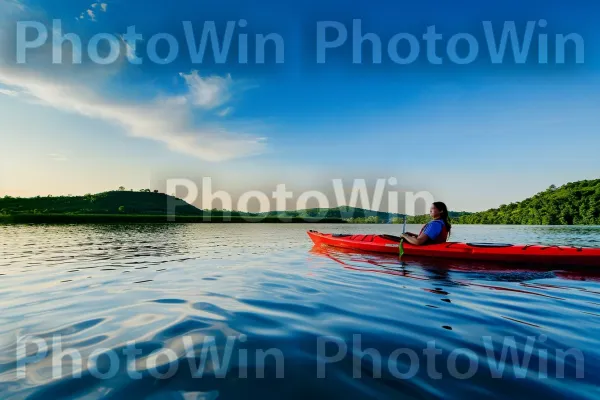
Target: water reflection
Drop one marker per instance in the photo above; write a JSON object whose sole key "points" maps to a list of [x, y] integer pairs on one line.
{"points": [[439, 268]]}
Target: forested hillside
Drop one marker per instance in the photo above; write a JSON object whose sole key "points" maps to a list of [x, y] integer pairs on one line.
{"points": [[576, 203]]}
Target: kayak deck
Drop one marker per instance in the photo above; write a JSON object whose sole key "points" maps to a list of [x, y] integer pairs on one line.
{"points": [[510, 253]]}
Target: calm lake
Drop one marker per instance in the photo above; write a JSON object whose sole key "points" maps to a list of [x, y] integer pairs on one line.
{"points": [[253, 311]]}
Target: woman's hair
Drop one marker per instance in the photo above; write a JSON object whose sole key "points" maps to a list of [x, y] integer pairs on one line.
{"points": [[444, 214]]}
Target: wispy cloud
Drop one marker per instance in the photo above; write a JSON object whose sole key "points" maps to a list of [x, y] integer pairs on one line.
{"points": [[7, 6], [209, 92], [164, 120], [7, 92], [225, 112], [129, 49]]}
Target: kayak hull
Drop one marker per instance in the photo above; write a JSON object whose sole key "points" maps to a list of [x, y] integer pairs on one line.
{"points": [[515, 254]]}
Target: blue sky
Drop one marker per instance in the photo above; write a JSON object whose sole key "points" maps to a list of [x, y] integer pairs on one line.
{"points": [[475, 136]]}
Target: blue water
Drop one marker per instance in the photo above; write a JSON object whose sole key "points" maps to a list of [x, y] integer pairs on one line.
{"points": [[143, 305]]}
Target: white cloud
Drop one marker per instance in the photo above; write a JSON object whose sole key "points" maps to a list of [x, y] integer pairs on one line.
{"points": [[90, 12], [165, 121], [209, 92], [175, 101], [7, 92]]}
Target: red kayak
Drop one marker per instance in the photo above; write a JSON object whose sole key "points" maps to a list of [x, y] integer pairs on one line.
{"points": [[511, 253]]}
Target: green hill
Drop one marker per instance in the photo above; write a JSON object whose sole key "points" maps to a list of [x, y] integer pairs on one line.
{"points": [[114, 202], [576, 203]]}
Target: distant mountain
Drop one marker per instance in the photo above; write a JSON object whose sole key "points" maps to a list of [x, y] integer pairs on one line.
{"points": [[576, 203], [351, 214], [423, 219]]}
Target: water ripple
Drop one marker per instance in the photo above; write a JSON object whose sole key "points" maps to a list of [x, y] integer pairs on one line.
{"points": [[250, 293]]}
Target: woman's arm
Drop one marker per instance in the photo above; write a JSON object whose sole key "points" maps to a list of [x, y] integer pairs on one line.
{"points": [[416, 240]]}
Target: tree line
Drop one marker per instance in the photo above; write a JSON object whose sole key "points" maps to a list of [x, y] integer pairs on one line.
{"points": [[576, 203]]}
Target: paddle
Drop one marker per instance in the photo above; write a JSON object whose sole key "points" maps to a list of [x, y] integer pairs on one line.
{"points": [[401, 246]]}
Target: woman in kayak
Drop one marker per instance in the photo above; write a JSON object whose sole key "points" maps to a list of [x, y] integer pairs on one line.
{"points": [[434, 232]]}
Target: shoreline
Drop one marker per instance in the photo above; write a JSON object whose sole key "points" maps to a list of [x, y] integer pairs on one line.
{"points": [[15, 219], [61, 219]]}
